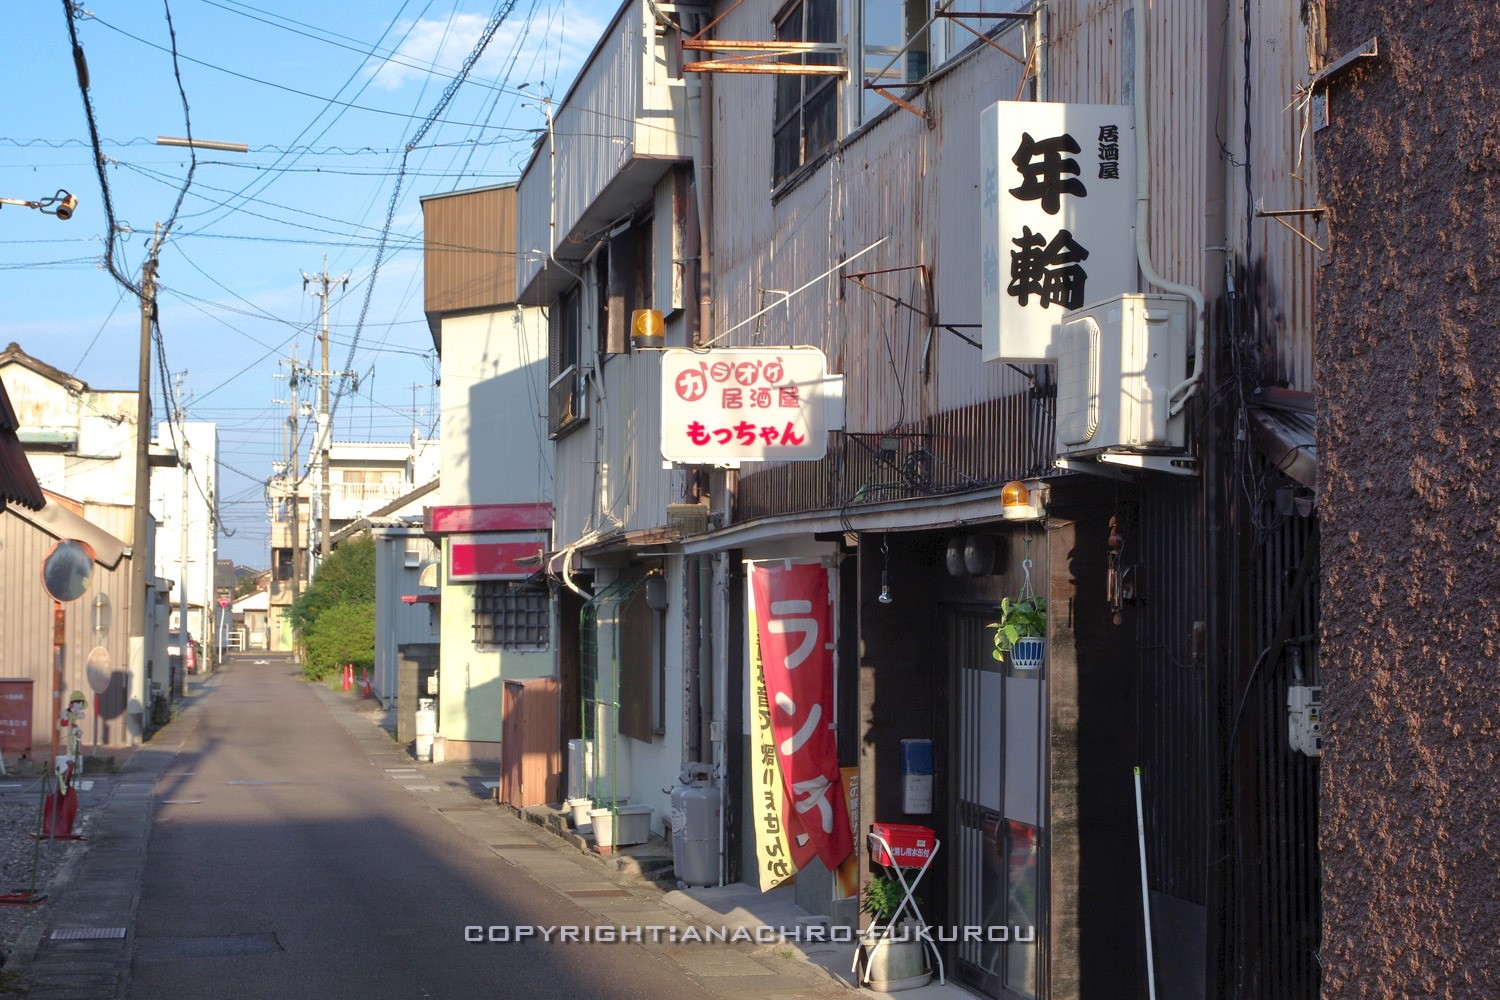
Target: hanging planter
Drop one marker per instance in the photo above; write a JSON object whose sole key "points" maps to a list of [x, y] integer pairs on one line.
{"points": [[1028, 653], [1021, 632]]}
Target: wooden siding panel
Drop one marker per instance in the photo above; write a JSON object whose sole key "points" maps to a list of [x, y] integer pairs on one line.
{"points": [[469, 255]]}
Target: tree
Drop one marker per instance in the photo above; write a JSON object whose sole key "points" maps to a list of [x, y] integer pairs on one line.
{"points": [[335, 617], [344, 633]]}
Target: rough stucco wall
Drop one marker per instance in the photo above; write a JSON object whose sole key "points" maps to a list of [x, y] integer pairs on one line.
{"points": [[1409, 417]]}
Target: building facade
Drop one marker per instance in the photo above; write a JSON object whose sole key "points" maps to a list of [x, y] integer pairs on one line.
{"points": [[82, 445], [183, 505], [1107, 405]]}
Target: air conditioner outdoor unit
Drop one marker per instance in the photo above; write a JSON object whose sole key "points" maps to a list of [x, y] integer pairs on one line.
{"points": [[1117, 363]]}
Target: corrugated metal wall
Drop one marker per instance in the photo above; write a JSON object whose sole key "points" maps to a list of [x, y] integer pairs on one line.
{"points": [[608, 474], [1269, 131], [26, 634], [1164, 548], [625, 104], [1274, 887]]}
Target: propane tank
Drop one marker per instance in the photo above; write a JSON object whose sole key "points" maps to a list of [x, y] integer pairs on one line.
{"points": [[695, 826]]}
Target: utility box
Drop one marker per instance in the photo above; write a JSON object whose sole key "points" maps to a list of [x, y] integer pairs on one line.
{"points": [[530, 747], [1117, 364]]}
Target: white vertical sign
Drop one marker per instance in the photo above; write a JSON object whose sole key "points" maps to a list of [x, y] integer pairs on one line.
{"points": [[1057, 204]]}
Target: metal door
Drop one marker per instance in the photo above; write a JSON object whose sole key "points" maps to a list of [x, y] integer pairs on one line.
{"points": [[997, 735]]}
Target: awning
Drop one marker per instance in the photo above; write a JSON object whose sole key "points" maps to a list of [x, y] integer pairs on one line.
{"points": [[60, 522], [17, 482], [1283, 425], [421, 598], [952, 510]]}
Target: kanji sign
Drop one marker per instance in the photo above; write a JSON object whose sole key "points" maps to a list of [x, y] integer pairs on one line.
{"points": [[744, 405], [1057, 203]]}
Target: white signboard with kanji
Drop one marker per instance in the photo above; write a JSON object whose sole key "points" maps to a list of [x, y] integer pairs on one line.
{"points": [[758, 404], [1057, 215]]}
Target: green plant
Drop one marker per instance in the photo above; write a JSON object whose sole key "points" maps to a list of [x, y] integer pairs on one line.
{"points": [[882, 896], [1021, 618]]}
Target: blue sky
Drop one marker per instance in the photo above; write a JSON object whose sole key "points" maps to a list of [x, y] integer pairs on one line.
{"points": [[327, 97]]}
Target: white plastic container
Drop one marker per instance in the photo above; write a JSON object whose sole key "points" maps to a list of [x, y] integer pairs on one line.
{"points": [[426, 725], [634, 826]]}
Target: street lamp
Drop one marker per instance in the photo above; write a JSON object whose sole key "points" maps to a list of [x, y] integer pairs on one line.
{"points": [[61, 204]]}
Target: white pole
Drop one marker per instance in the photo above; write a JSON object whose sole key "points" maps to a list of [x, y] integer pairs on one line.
{"points": [[1140, 833]]}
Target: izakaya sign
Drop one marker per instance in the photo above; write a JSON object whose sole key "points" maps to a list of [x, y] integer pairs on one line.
{"points": [[800, 810], [744, 405], [1057, 202]]}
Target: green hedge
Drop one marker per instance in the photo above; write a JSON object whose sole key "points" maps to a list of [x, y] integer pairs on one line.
{"points": [[344, 633]]}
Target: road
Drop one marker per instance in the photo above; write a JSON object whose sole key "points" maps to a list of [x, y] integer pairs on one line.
{"points": [[283, 862]]}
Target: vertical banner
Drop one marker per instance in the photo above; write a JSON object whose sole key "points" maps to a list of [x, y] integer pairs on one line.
{"points": [[794, 626], [773, 861]]}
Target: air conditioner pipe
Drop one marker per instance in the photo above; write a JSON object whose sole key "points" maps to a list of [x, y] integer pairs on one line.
{"points": [[1188, 385]]}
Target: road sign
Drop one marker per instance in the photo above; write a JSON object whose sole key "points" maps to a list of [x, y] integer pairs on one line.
{"points": [[223, 602]]}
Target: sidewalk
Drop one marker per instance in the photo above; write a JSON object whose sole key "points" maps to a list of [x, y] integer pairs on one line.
{"points": [[633, 887], [84, 949]]}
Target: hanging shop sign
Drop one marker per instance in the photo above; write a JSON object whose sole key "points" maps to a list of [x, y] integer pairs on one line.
{"points": [[747, 405], [794, 626], [1057, 219]]}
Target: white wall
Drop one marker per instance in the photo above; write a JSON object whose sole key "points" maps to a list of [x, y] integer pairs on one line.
{"points": [[494, 400]]}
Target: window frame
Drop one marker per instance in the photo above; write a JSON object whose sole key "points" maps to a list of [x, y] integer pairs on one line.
{"points": [[510, 601], [800, 93]]}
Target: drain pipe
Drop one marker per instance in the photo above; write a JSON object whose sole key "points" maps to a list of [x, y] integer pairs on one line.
{"points": [[1188, 385]]}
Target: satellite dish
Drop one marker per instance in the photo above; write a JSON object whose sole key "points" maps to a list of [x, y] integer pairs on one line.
{"points": [[97, 668], [67, 570]]}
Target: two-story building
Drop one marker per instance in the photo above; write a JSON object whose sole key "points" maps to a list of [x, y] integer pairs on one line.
{"points": [[82, 444], [864, 320]]}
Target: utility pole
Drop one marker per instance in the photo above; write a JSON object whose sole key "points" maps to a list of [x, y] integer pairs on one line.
{"points": [[294, 482], [324, 431], [185, 468], [139, 707]]}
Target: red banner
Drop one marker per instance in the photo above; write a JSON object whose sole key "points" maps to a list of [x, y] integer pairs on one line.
{"points": [[795, 624]]}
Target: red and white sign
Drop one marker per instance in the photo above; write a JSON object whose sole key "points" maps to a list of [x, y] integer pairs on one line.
{"points": [[745, 405], [223, 602], [794, 622]]}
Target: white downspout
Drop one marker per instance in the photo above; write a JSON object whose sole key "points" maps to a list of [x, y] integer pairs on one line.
{"points": [[1188, 385]]}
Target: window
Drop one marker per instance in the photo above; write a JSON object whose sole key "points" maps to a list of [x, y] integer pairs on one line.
{"points": [[951, 36], [889, 26], [566, 401], [510, 615], [807, 112], [623, 278]]}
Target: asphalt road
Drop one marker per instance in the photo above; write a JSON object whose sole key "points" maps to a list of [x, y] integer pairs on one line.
{"points": [[282, 863]]}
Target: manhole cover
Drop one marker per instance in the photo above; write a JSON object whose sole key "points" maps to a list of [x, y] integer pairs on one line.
{"points": [[88, 933]]}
